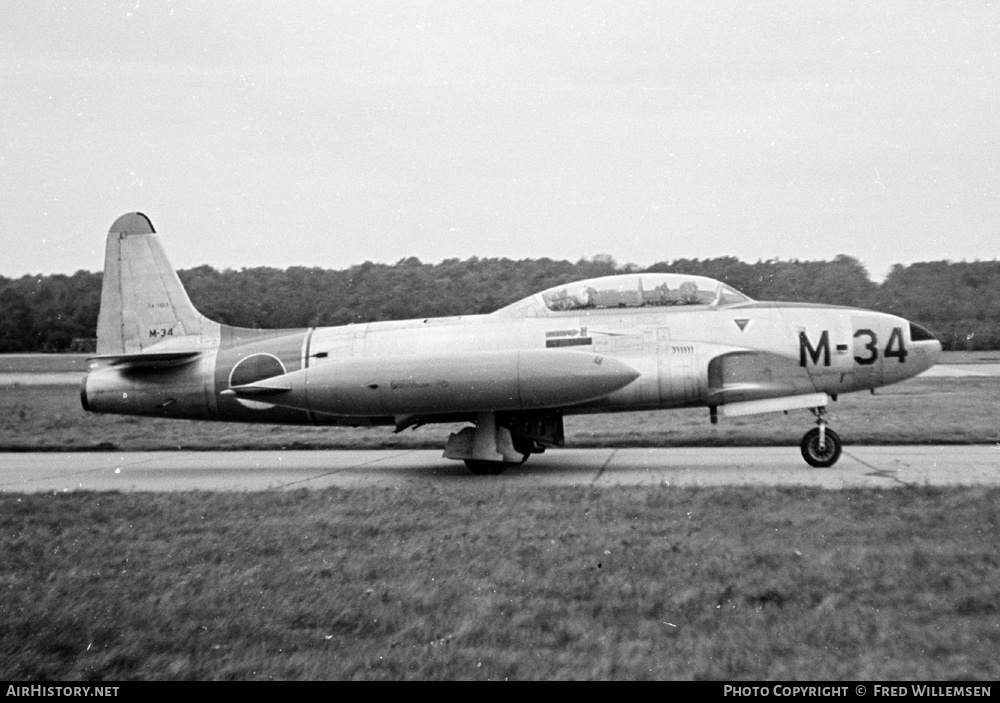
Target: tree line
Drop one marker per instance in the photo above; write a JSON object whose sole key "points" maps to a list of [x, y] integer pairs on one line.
{"points": [[958, 301]]}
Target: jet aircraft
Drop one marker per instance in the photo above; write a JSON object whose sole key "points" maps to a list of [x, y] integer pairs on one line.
{"points": [[635, 341]]}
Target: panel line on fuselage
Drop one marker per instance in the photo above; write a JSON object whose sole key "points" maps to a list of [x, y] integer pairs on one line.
{"points": [[306, 344]]}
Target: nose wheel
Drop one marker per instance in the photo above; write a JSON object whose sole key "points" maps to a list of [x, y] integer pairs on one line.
{"points": [[821, 446]]}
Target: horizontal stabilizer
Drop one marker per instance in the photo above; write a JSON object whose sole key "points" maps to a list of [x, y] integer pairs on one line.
{"points": [[156, 360]]}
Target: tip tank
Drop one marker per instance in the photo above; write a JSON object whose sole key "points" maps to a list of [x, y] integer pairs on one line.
{"points": [[446, 383]]}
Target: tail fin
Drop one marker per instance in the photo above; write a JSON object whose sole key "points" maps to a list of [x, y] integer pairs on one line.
{"points": [[142, 300]]}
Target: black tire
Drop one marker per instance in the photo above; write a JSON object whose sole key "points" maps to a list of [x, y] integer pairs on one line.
{"points": [[486, 468], [811, 452]]}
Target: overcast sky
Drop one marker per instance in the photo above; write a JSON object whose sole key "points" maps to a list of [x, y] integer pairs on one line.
{"points": [[327, 134]]}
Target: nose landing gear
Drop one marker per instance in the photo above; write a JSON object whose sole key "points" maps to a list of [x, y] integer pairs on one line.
{"points": [[821, 446]]}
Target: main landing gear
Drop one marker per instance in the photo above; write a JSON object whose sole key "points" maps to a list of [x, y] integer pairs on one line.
{"points": [[497, 443], [488, 448], [524, 447], [821, 446]]}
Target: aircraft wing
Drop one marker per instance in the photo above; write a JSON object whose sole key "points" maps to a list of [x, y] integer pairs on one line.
{"points": [[734, 392], [260, 388]]}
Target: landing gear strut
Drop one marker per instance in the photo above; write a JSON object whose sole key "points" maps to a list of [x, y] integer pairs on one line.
{"points": [[487, 449], [821, 446], [524, 447]]}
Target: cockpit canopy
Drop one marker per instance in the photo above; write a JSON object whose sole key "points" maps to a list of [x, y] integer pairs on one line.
{"points": [[660, 291]]}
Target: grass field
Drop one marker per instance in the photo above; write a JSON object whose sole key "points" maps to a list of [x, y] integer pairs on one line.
{"points": [[921, 410], [498, 582]]}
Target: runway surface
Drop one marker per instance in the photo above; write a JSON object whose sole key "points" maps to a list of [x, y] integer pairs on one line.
{"points": [[860, 466]]}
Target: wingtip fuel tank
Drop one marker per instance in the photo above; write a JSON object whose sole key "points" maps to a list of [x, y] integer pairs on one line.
{"points": [[520, 379]]}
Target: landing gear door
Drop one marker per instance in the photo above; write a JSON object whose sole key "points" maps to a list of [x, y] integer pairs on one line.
{"points": [[825, 343]]}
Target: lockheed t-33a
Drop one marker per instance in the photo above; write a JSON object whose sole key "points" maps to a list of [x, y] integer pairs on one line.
{"points": [[636, 341]]}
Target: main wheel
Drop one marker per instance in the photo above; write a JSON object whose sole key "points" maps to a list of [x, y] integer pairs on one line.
{"points": [[813, 455], [486, 468]]}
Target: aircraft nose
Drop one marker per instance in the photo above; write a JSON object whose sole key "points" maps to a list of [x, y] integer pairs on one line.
{"points": [[925, 344]]}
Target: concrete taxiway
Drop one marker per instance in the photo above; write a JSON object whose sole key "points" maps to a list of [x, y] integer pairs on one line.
{"points": [[860, 466]]}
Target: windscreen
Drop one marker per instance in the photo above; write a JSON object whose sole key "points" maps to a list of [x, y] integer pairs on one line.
{"points": [[639, 291]]}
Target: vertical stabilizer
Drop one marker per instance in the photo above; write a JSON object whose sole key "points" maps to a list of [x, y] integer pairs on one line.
{"points": [[142, 300]]}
